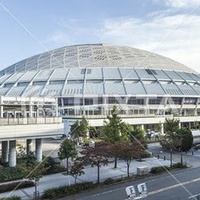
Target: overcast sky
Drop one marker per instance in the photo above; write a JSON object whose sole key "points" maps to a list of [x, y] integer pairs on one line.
{"points": [[167, 27]]}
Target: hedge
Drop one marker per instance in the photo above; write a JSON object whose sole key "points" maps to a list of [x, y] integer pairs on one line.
{"points": [[15, 185], [67, 190], [12, 198]]}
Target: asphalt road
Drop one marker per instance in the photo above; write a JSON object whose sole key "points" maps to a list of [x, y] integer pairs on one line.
{"points": [[179, 185]]}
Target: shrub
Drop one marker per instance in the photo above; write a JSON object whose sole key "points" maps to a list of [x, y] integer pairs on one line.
{"points": [[67, 190], [179, 165], [108, 181], [12, 198], [15, 185], [53, 166], [158, 170], [11, 173]]}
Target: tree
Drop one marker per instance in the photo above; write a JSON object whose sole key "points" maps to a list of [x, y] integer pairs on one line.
{"points": [[35, 170], [96, 156], [80, 128], [77, 169], [138, 134], [67, 150], [184, 135], [171, 126], [115, 130], [128, 151]]}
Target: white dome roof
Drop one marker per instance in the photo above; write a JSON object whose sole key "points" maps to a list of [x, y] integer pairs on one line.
{"points": [[96, 55]]}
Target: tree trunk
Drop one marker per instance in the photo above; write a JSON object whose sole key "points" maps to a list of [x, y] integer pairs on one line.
{"points": [[115, 165]]}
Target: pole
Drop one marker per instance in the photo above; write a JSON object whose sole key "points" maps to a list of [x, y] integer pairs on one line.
{"points": [[171, 158], [181, 152]]}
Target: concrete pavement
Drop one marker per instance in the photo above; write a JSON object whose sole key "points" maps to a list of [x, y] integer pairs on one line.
{"points": [[56, 180]]}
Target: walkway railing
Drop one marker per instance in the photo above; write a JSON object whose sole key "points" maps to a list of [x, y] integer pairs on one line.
{"points": [[30, 120]]}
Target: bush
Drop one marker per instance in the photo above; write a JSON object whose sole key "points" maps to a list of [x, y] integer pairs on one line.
{"points": [[12, 198], [179, 165], [158, 170], [53, 166], [11, 173], [108, 181], [67, 190], [15, 185]]}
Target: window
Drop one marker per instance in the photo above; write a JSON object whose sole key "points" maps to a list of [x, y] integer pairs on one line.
{"points": [[135, 101], [88, 101], [190, 101], [89, 71], [83, 71], [151, 72], [100, 100], [39, 82], [68, 101], [175, 100], [155, 101], [59, 102], [22, 83], [112, 100], [56, 82], [74, 81]]}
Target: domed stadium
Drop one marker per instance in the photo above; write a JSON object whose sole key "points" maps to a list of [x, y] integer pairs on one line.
{"points": [[89, 79]]}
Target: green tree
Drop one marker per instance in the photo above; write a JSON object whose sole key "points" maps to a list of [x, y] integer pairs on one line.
{"points": [[67, 150], [138, 135], [80, 128], [184, 135], [171, 125], [115, 130], [34, 169]]}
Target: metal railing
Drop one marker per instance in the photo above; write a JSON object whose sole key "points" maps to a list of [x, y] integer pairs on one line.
{"points": [[30, 120]]}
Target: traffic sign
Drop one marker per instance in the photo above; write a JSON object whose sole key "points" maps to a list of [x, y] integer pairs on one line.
{"points": [[142, 189], [130, 191]]}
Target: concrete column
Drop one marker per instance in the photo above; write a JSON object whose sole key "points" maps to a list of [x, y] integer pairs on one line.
{"points": [[28, 146], [4, 149], [12, 153], [1, 107], [179, 124], [142, 126], [56, 110], [38, 149], [30, 110]]}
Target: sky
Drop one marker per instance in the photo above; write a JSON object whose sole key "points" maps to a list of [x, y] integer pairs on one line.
{"points": [[167, 27]]}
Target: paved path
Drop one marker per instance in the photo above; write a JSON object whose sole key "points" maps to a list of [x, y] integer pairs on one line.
{"points": [[59, 179]]}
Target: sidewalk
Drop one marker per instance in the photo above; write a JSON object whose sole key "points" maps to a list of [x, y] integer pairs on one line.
{"points": [[108, 171], [191, 158]]}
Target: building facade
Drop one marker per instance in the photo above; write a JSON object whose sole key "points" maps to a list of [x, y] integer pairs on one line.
{"points": [[89, 79]]}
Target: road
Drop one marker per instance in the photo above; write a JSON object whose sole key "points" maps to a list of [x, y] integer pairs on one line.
{"points": [[179, 185]]}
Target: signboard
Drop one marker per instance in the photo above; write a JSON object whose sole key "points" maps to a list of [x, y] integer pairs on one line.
{"points": [[142, 189], [130, 191]]}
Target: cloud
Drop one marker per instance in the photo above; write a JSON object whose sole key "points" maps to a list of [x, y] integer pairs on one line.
{"points": [[170, 34], [179, 3], [175, 36]]}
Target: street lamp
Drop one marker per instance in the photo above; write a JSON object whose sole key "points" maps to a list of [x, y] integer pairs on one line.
{"points": [[181, 152], [170, 157]]}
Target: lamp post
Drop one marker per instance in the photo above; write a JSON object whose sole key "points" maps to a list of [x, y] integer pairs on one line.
{"points": [[181, 152], [170, 157]]}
